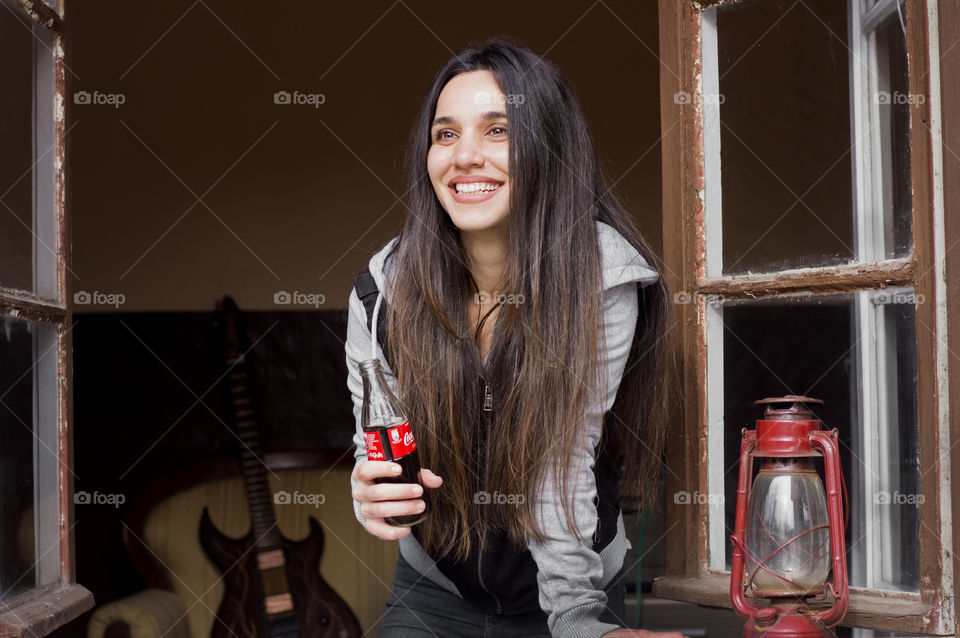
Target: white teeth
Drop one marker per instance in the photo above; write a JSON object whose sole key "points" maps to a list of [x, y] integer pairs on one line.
{"points": [[476, 187]]}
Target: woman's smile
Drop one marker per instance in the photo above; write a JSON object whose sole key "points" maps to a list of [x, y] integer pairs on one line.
{"points": [[468, 189]]}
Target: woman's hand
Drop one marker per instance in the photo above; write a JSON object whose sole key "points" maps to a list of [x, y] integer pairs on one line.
{"points": [[380, 500], [641, 633]]}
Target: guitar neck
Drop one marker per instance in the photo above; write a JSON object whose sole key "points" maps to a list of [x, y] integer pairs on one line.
{"points": [[263, 521]]}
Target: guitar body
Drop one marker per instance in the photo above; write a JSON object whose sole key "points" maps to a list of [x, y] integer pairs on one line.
{"points": [[318, 611]]}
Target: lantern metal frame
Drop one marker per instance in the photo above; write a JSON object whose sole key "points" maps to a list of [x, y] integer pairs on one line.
{"points": [[793, 437]]}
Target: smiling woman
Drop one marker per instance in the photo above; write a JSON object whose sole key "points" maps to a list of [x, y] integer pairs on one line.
{"points": [[542, 421], [468, 161]]}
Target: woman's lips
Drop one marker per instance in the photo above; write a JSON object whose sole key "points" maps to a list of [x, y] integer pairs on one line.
{"points": [[473, 198]]}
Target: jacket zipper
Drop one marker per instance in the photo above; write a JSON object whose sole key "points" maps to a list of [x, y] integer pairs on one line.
{"points": [[487, 409], [596, 532]]}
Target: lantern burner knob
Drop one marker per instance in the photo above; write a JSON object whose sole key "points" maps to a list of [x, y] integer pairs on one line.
{"points": [[765, 617], [793, 407]]}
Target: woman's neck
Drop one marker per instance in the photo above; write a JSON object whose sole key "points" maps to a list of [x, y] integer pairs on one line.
{"points": [[487, 257]]}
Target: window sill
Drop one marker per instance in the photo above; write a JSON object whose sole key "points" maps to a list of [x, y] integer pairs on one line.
{"points": [[868, 608], [39, 612]]}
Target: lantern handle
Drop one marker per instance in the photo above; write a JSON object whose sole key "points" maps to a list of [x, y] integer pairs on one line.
{"points": [[846, 503], [827, 443], [743, 608]]}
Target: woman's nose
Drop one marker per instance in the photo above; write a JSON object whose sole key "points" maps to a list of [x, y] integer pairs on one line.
{"points": [[468, 153]]}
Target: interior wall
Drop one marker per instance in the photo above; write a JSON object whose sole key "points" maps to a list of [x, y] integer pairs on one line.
{"points": [[188, 181]]}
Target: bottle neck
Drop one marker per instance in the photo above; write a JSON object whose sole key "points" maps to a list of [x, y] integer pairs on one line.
{"points": [[370, 368], [380, 405], [371, 373]]}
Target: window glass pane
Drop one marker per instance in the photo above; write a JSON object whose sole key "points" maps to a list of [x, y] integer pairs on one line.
{"points": [[891, 108], [29, 468], [857, 353], [888, 520], [784, 135], [27, 180]]}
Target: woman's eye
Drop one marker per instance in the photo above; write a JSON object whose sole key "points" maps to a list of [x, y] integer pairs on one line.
{"points": [[499, 130], [443, 135]]}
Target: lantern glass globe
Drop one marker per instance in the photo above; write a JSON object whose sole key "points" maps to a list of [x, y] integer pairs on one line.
{"points": [[788, 532]]}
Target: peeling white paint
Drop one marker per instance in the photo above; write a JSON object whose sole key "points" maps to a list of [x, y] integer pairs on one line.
{"points": [[58, 110], [946, 621]]}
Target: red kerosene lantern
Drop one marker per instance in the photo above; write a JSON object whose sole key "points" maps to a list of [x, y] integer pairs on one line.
{"points": [[789, 533]]}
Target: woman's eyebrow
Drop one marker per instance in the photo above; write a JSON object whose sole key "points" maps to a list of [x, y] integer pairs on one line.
{"points": [[489, 115]]}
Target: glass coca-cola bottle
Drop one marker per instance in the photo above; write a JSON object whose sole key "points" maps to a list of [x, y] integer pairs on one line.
{"points": [[387, 433]]}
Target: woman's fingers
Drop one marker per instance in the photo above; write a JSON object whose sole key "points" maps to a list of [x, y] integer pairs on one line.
{"points": [[369, 470], [382, 500], [372, 492], [377, 527], [430, 479], [365, 489], [383, 509]]}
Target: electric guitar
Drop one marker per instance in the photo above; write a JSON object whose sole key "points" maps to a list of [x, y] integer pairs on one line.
{"points": [[273, 586]]}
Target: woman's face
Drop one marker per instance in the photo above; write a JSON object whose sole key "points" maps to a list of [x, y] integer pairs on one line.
{"points": [[468, 156]]}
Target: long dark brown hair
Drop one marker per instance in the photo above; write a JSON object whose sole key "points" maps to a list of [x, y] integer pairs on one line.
{"points": [[545, 365]]}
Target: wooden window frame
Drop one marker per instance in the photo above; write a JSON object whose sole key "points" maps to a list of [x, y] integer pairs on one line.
{"points": [[936, 229], [42, 609]]}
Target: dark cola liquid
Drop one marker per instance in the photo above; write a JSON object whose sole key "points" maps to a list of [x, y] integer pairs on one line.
{"points": [[410, 473]]}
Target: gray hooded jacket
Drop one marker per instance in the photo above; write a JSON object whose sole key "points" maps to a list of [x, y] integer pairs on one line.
{"points": [[570, 574]]}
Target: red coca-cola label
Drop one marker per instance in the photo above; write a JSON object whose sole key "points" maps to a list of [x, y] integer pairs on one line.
{"points": [[374, 446], [401, 440]]}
